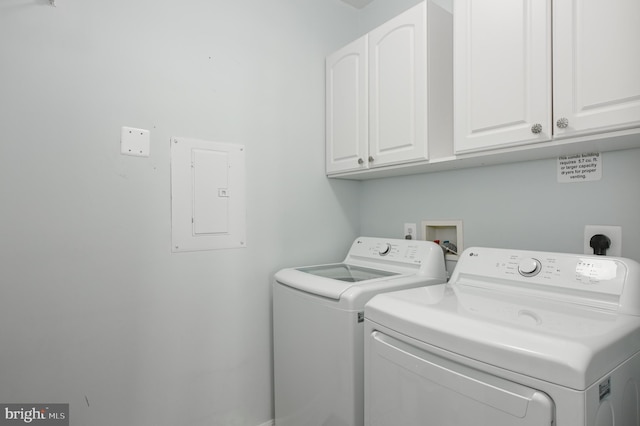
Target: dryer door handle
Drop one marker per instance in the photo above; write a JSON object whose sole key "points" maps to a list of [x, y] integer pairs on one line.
{"points": [[508, 397]]}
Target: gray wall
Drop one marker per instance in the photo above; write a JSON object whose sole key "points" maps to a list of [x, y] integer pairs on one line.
{"points": [[95, 310], [518, 205]]}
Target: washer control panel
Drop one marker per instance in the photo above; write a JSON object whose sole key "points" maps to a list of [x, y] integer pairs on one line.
{"points": [[410, 252]]}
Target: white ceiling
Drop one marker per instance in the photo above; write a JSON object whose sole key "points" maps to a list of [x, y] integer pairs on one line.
{"points": [[359, 4]]}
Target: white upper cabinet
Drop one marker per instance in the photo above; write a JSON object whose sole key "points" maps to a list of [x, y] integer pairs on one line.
{"points": [[504, 53], [397, 89], [346, 107], [379, 90], [502, 73], [596, 65]]}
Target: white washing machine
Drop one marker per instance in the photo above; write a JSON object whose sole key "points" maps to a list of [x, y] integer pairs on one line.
{"points": [[318, 324], [515, 338]]}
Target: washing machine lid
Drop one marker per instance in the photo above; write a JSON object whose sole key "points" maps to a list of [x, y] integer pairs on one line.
{"points": [[371, 265], [562, 334], [331, 280], [345, 272]]}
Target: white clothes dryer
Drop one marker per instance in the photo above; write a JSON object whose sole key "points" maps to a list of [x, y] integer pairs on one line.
{"points": [[318, 326], [516, 338]]}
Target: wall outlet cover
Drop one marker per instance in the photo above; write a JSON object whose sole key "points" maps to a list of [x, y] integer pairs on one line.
{"points": [[134, 142], [410, 229]]}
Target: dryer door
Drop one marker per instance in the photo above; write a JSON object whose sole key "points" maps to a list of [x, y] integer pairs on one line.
{"points": [[408, 386]]}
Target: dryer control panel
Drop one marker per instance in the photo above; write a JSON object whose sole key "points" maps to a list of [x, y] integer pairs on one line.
{"points": [[600, 281]]}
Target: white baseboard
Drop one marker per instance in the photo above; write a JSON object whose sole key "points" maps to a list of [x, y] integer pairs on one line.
{"points": [[269, 423]]}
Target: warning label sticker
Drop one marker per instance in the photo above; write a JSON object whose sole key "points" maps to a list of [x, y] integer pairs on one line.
{"points": [[580, 167]]}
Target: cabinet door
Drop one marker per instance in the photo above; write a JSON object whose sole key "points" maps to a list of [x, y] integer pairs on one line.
{"points": [[346, 108], [596, 65], [502, 73], [397, 89]]}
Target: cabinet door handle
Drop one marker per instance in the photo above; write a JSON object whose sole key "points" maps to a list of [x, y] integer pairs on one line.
{"points": [[360, 161], [370, 159], [536, 128], [562, 123]]}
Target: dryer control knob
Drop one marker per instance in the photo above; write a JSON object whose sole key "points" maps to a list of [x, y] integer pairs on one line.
{"points": [[385, 250], [529, 267]]}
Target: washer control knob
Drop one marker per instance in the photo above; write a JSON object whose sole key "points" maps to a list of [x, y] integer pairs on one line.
{"points": [[529, 267], [385, 250]]}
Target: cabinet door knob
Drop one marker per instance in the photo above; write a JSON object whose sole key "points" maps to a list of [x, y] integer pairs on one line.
{"points": [[536, 128], [360, 161], [562, 123], [370, 159]]}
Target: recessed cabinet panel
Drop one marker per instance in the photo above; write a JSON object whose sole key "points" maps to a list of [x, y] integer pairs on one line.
{"points": [[502, 73], [207, 195], [346, 107], [210, 192], [346, 115], [490, 56], [394, 94], [398, 93], [596, 65]]}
